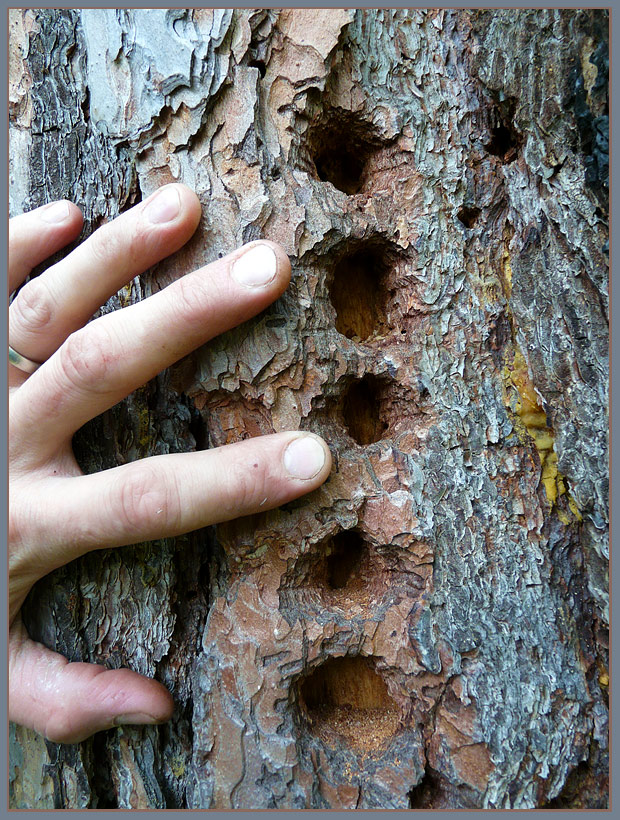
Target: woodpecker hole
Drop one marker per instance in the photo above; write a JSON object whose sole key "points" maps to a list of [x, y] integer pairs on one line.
{"points": [[359, 289], [468, 216], [346, 699], [344, 561], [505, 140], [361, 410], [340, 149]]}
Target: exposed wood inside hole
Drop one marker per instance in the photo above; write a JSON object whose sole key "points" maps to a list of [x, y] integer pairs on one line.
{"points": [[358, 292], [345, 699], [367, 280], [361, 410]]}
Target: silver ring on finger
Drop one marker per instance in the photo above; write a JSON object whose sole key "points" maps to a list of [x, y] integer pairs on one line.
{"points": [[21, 362]]}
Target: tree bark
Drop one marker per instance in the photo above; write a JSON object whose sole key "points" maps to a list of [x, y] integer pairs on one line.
{"points": [[428, 629]]}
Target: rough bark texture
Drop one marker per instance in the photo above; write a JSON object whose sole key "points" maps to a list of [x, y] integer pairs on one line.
{"points": [[429, 629]]}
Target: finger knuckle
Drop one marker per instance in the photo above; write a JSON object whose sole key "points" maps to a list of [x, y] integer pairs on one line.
{"points": [[87, 358], [122, 239], [105, 243], [66, 724], [34, 306], [144, 500], [192, 299]]}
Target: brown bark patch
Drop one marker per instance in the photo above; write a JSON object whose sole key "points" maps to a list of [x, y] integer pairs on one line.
{"points": [[473, 763]]}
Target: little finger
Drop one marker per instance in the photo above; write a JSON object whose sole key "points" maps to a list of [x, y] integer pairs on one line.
{"points": [[68, 702]]}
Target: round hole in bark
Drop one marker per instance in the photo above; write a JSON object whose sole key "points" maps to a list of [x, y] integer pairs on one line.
{"points": [[344, 573], [346, 698], [361, 410], [500, 142], [359, 288], [340, 147]]}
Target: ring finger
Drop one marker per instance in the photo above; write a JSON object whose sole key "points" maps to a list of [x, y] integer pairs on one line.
{"points": [[63, 298]]}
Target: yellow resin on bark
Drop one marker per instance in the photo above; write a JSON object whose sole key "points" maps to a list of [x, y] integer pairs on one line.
{"points": [[529, 410]]}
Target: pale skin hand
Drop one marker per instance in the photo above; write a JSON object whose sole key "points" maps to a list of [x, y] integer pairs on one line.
{"points": [[55, 512]]}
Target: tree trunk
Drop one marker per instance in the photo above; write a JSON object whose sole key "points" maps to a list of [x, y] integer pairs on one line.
{"points": [[428, 629]]}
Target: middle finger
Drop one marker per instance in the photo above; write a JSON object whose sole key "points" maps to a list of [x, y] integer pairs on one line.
{"points": [[104, 361]]}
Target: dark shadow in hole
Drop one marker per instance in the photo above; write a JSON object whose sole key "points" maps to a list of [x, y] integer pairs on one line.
{"points": [[260, 65], [198, 427], [468, 215], [345, 559], [501, 141], [346, 699], [85, 104], [424, 795], [436, 792], [340, 149], [361, 410], [101, 784], [505, 139]]}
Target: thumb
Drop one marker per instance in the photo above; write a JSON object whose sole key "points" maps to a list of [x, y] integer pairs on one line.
{"points": [[68, 702]]}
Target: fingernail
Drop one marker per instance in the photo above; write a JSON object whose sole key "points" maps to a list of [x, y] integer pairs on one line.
{"points": [[257, 267], [56, 212], [136, 718], [304, 457], [164, 206]]}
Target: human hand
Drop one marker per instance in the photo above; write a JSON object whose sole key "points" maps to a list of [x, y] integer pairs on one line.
{"points": [[55, 512]]}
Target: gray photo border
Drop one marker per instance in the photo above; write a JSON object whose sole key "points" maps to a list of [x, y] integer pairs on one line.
{"points": [[614, 371]]}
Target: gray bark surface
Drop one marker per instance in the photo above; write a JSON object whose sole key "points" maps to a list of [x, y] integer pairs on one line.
{"points": [[429, 628]]}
